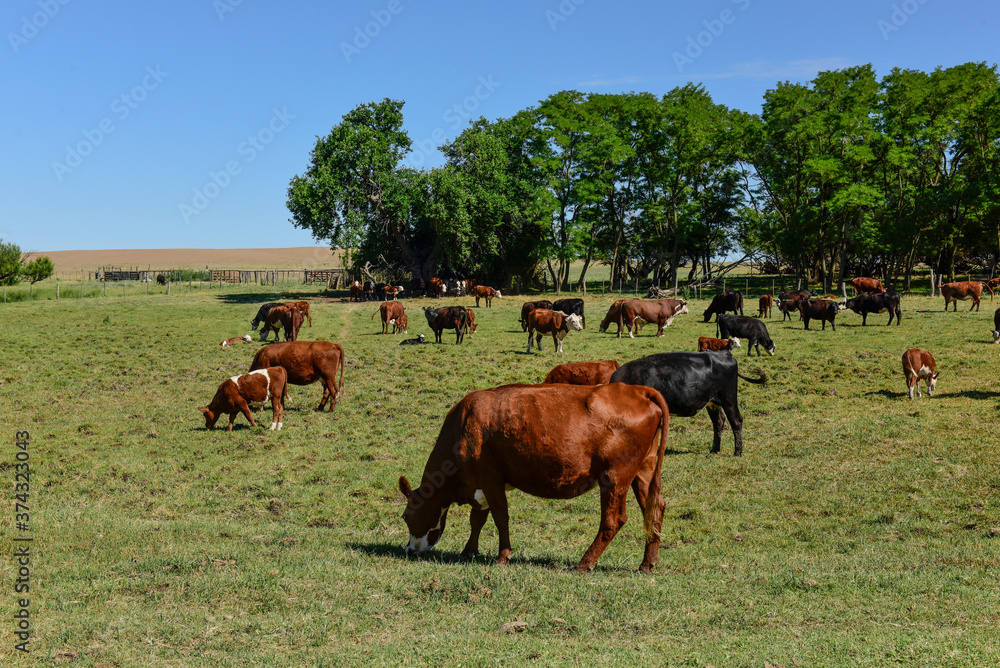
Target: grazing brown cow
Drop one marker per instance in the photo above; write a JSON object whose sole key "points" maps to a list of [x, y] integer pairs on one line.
{"points": [[485, 292], [582, 373], [614, 315], [866, 285], [503, 438], [306, 362], [635, 312], [545, 321], [710, 343], [236, 339], [303, 307], [357, 291], [389, 312], [960, 291], [528, 307], [435, 288], [289, 320], [919, 364], [471, 320], [236, 395], [764, 305]]}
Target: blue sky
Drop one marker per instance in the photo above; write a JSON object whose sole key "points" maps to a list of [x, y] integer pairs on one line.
{"points": [[179, 125]]}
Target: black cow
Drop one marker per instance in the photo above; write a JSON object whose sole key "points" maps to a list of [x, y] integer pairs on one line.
{"points": [[876, 302], [727, 301], [571, 307], [692, 381], [996, 326], [744, 327], [413, 342], [447, 317], [820, 309], [262, 314]]}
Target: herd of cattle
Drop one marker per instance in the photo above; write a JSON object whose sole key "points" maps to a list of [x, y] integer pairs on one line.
{"points": [[494, 440]]}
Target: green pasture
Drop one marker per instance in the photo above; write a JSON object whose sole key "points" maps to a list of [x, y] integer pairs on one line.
{"points": [[859, 528]]}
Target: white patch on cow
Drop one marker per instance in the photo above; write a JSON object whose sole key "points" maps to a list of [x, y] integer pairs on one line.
{"points": [[996, 336], [481, 500], [225, 343], [498, 295], [246, 337], [421, 544]]}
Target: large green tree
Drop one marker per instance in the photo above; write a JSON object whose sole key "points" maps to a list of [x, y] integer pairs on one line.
{"points": [[15, 266]]}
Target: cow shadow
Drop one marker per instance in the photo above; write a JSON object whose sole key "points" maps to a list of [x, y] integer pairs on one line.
{"points": [[451, 557], [965, 394], [284, 296]]}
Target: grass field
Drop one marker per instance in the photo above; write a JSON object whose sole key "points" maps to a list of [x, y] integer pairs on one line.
{"points": [[858, 529]]}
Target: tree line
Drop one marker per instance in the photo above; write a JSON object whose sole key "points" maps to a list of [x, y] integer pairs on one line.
{"points": [[846, 175]]}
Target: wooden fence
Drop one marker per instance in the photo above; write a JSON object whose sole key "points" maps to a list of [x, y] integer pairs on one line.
{"points": [[332, 277]]}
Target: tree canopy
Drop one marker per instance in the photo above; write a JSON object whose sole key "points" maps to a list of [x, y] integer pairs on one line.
{"points": [[15, 267]]}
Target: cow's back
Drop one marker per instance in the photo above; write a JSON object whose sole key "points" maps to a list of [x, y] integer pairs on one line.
{"points": [[686, 380], [304, 361]]}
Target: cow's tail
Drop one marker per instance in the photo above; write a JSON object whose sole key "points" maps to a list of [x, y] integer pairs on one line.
{"points": [[376, 312], [987, 286], [761, 380], [343, 363], [654, 499]]}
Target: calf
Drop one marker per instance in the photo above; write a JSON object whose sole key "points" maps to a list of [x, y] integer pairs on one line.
{"points": [[582, 373], [400, 324], [572, 306], [236, 339], [503, 438], [435, 288], [820, 309], [287, 319], [357, 291], [692, 381], [447, 317], [262, 314], [472, 320], [878, 302], [237, 394], [962, 290], [866, 285], [303, 307], [544, 321], [752, 329], [389, 311], [764, 305], [996, 326], [487, 293], [528, 307], [413, 342], [730, 300], [306, 362], [918, 364], [709, 343]]}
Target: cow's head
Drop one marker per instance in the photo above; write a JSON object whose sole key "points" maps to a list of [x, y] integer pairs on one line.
{"points": [[932, 383], [769, 347], [574, 322], [734, 342], [996, 336], [682, 309], [498, 295], [210, 417], [247, 338], [424, 515]]}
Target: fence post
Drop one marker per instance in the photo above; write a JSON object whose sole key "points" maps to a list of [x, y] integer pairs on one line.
{"points": [[57, 290], [168, 286]]}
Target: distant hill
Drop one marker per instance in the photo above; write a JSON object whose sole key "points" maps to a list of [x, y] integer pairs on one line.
{"points": [[70, 264]]}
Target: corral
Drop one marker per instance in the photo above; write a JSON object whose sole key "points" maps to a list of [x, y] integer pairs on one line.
{"points": [[857, 525]]}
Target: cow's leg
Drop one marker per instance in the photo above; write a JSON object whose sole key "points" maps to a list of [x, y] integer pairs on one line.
{"points": [[531, 333], [975, 303], [718, 424], [652, 509], [497, 502], [735, 418], [232, 419], [556, 341], [613, 517], [245, 409], [477, 518], [277, 411]]}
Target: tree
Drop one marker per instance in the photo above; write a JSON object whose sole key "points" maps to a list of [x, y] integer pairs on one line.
{"points": [[14, 267], [38, 269]]}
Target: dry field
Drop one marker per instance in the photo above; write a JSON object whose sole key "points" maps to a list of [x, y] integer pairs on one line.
{"points": [[70, 264]]}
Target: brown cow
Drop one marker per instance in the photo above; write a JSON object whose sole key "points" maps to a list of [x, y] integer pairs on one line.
{"points": [[582, 373], [993, 284], [614, 315], [435, 288], [236, 395], [392, 291], [503, 438], [389, 312], [357, 291], [528, 307], [962, 290], [400, 324], [919, 364], [711, 343], [289, 320], [764, 305], [487, 293], [306, 362], [303, 307], [545, 321], [236, 339], [661, 311], [471, 320], [866, 285]]}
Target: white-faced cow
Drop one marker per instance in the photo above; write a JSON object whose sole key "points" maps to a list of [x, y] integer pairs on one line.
{"points": [[918, 364], [543, 321], [357, 291], [486, 293], [238, 393], [571, 306], [236, 339], [730, 300], [582, 373], [306, 362], [878, 302], [499, 439], [690, 382], [744, 326]]}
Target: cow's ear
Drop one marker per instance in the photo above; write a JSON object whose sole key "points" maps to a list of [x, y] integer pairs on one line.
{"points": [[404, 487], [203, 409]]}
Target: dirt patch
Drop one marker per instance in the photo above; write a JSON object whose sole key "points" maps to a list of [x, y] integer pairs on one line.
{"points": [[69, 264]]}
